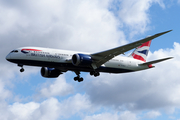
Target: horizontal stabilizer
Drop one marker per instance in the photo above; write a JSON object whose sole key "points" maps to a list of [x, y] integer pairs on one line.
{"points": [[156, 61]]}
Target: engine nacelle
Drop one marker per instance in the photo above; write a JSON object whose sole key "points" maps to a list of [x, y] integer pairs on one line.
{"points": [[81, 60], [50, 72]]}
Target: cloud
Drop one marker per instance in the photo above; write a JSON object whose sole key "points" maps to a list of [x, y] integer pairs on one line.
{"points": [[104, 116], [130, 9], [60, 24], [77, 104], [47, 109], [152, 114], [178, 1], [135, 14], [5, 93], [58, 88], [126, 115], [23, 111]]}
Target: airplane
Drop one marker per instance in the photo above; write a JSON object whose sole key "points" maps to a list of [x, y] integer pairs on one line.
{"points": [[54, 62]]}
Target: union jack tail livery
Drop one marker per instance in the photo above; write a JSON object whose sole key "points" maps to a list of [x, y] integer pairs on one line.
{"points": [[141, 52]]}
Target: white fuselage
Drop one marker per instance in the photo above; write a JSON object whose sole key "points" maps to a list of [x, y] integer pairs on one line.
{"points": [[62, 60]]}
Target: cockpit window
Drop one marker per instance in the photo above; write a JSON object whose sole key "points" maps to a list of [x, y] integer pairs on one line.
{"points": [[14, 51]]}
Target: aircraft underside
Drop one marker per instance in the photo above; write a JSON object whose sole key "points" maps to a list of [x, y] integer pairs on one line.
{"points": [[63, 67], [68, 66]]}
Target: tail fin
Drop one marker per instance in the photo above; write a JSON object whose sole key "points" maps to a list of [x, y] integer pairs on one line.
{"points": [[141, 52]]}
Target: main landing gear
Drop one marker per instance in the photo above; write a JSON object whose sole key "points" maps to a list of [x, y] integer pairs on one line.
{"points": [[94, 73], [78, 78], [22, 69]]}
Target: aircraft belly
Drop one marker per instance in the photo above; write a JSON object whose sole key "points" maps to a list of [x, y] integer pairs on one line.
{"points": [[69, 66]]}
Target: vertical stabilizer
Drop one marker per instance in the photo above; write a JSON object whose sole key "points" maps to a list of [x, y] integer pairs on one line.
{"points": [[141, 52]]}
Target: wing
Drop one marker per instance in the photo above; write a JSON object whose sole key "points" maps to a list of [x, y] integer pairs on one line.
{"points": [[102, 57]]}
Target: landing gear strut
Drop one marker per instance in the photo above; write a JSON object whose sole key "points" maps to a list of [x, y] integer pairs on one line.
{"points": [[22, 69], [78, 78]]}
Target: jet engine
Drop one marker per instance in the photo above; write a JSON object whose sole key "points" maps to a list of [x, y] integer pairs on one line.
{"points": [[50, 72], [81, 60]]}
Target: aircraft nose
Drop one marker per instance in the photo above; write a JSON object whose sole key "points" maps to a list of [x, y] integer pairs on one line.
{"points": [[8, 57]]}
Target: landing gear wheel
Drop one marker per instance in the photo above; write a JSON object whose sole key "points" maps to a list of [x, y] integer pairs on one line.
{"points": [[80, 80], [94, 73], [76, 78], [22, 70]]}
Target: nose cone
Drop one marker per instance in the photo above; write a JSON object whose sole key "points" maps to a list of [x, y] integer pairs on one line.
{"points": [[8, 57]]}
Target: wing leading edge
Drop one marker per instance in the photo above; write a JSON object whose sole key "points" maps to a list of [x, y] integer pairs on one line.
{"points": [[102, 57]]}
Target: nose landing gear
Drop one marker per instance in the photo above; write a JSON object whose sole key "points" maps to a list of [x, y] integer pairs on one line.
{"points": [[22, 69]]}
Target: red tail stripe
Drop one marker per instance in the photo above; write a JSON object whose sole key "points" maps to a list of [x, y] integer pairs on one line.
{"points": [[138, 57]]}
